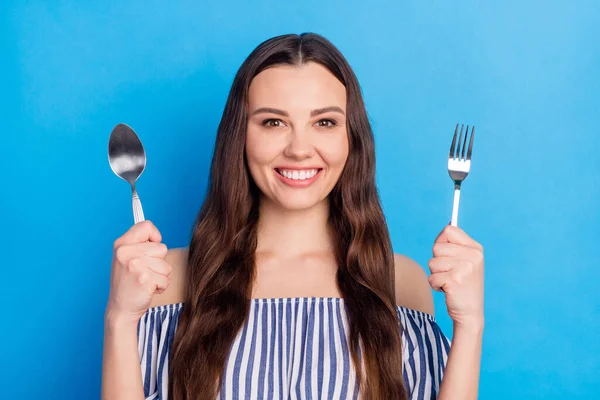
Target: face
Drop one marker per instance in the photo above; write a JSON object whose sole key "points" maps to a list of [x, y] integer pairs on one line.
{"points": [[297, 140]]}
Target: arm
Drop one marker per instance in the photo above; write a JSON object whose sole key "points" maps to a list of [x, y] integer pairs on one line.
{"points": [[412, 288], [461, 376], [140, 279], [457, 270], [121, 372]]}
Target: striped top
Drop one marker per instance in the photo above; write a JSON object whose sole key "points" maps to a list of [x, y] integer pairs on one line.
{"points": [[295, 348]]}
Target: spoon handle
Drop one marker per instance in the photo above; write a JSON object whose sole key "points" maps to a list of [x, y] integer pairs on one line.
{"points": [[138, 212]]}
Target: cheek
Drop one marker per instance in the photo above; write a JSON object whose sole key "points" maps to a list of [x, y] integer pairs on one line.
{"points": [[256, 151], [252, 154], [260, 152], [335, 153]]}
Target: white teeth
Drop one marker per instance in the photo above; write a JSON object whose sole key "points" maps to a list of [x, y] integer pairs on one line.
{"points": [[298, 175]]}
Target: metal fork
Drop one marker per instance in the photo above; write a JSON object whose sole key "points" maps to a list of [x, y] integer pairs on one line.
{"points": [[459, 165]]}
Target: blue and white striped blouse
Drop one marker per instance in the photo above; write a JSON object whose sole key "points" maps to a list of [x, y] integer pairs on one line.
{"points": [[295, 348]]}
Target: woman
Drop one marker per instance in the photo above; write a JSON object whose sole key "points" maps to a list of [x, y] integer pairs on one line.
{"points": [[290, 281]]}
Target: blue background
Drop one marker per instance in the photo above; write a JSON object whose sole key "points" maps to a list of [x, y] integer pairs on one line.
{"points": [[525, 73]]}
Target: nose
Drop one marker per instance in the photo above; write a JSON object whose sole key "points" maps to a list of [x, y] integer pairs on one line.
{"points": [[299, 145]]}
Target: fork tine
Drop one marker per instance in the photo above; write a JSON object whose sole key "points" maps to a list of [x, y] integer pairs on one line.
{"points": [[453, 145], [471, 144], [459, 140], [464, 146]]}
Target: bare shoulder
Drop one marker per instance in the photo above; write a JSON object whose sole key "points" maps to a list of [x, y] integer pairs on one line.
{"points": [[177, 258], [412, 285]]}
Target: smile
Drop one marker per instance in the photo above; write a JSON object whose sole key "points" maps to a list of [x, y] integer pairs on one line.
{"points": [[298, 174], [298, 177]]}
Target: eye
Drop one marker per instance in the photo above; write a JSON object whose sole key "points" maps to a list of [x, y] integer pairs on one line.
{"points": [[272, 123], [326, 123]]}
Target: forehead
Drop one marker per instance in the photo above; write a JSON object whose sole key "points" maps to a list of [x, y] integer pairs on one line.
{"points": [[308, 86]]}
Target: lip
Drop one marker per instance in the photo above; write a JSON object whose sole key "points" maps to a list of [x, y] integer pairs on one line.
{"points": [[298, 183], [296, 168]]}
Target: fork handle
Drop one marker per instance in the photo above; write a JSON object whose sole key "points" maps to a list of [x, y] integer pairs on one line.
{"points": [[454, 221], [138, 212]]}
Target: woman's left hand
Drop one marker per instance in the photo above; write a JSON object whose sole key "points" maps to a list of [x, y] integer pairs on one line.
{"points": [[457, 270]]}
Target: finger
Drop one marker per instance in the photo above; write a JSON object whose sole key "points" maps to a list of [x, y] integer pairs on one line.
{"points": [[442, 237], [459, 236], [161, 283], [442, 264], [454, 234], [452, 250], [153, 282], [139, 233], [439, 281], [125, 253], [151, 249], [157, 265]]}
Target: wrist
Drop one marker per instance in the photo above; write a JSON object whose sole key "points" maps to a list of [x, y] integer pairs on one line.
{"points": [[472, 327], [119, 321]]}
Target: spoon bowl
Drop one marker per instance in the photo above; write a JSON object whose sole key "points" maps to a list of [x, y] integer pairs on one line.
{"points": [[127, 160]]}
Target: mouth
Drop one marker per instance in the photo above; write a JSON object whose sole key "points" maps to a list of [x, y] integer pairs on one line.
{"points": [[298, 177], [298, 174]]}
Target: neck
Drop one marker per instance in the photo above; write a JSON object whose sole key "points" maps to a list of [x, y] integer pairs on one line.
{"points": [[293, 232]]}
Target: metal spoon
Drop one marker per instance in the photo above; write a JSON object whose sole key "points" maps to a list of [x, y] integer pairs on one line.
{"points": [[127, 160]]}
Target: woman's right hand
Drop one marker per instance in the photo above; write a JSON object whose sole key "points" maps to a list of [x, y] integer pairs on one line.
{"points": [[139, 271]]}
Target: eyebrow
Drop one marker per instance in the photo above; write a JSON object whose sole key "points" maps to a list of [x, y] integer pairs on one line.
{"points": [[285, 114]]}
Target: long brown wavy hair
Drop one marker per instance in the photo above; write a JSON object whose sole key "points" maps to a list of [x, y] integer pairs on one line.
{"points": [[221, 263]]}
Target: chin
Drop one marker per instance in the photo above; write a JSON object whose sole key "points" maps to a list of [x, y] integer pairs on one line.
{"points": [[298, 204]]}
